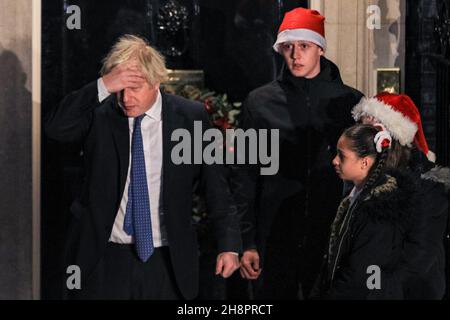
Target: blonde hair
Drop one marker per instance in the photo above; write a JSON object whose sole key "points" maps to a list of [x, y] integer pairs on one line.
{"points": [[130, 47]]}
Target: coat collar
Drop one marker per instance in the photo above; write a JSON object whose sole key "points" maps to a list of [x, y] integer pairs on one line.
{"points": [[171, 120], [155, 111], [328, 72], [388, 185], [120, 132]]}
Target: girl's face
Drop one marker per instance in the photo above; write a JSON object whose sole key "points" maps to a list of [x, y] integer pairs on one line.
{"points": [[348, 165]]}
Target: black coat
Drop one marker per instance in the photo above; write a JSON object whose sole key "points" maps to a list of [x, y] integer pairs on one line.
{"points": [[420, 273], [104, 131], [372, 232], [287, 216], [425, 250]]}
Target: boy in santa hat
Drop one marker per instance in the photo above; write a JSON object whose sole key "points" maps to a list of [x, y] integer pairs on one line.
{"points": [[423, 271], [287, 216]]}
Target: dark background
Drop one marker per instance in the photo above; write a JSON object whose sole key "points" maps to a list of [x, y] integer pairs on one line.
{"points": [[427, 69], [231, 41]]}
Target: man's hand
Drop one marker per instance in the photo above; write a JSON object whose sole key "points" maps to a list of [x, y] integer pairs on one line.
{"points": [[250, 265], [227, 263], [124, 75]]}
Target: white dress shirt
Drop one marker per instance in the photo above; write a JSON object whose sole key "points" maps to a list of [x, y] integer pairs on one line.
{"points": [[151, 127]]}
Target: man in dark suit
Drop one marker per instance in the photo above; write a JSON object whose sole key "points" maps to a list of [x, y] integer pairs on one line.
{"points": [[131, 232]]}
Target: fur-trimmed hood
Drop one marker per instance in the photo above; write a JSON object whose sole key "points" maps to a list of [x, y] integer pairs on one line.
{"points": [[439, 175], [429, 171], [393, 198]]}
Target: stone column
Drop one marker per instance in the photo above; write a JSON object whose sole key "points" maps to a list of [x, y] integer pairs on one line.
{"points": [[358, 50], [18, 242]]}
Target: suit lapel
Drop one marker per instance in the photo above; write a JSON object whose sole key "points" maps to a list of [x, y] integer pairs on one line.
{"points": [[171, 121], [121, 135]]}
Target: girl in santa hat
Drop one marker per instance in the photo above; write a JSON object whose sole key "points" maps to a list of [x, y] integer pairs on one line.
{"points": [[422, 270], [365, 247]]}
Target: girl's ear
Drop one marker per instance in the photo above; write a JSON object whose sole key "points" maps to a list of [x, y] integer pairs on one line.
{"points": [[367, 162], [364, 163]]}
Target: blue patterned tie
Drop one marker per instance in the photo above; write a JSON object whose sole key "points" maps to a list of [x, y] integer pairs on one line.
{"points": [[137, 218]]}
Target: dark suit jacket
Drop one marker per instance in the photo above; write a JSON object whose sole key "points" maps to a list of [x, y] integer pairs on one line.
{"points": [[104, 131]]}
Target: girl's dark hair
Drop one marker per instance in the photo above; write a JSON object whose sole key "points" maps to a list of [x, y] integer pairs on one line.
{"points": [[398, 157], [362, 137]]}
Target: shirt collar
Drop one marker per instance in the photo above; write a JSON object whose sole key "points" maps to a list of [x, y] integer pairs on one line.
{"points": [[155, 110], [354, 194]]}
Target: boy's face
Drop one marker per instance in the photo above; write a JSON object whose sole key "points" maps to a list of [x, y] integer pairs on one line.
{"points": [[302, 58], [348, 165]]}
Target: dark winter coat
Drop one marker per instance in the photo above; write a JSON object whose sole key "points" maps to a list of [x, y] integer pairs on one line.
{"points": [[370, 234], [425, 250], [287, 216]]}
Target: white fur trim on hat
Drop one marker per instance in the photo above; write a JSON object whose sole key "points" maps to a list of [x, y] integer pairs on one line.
{"points": [[300, 35], [400, 126]]}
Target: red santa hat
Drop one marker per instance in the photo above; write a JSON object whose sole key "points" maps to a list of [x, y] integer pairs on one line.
{"points": [[399, 115], [302, 24]]}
